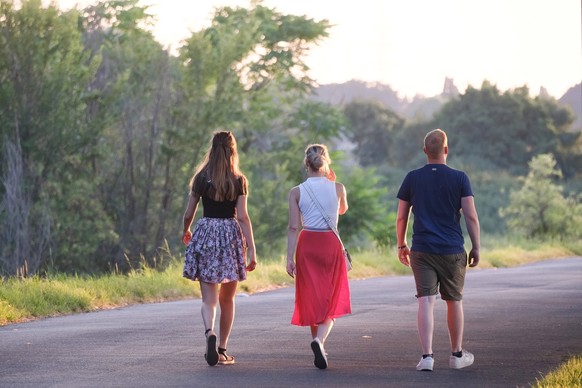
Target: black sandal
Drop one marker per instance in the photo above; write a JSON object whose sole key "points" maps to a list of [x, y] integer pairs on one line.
{"points": [[228, 360], [211, 354]]}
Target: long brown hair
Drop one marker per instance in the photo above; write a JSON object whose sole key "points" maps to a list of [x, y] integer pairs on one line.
{"points": [[220, 168]]}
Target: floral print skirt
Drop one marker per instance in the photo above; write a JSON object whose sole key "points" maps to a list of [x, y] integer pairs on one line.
{"points": [[216, 252]]}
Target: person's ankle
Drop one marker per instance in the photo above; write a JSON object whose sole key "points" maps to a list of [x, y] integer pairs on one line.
{"points": [[458, 354]]}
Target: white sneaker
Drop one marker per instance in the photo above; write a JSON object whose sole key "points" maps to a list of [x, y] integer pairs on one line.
{"points": [[320, 360], [425, 364], [460, 362]]}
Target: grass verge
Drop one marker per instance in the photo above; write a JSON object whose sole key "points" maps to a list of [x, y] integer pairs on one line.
{"points": [[36, 297], [567, 375]]}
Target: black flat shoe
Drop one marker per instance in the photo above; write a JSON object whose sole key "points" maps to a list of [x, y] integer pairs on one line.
{"points": [[211, 354]]}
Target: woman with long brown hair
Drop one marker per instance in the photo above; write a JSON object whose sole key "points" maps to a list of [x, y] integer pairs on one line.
{"points": [[221, 249]]}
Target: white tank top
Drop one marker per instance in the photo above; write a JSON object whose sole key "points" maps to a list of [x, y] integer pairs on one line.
{"points": [[326, 195]]}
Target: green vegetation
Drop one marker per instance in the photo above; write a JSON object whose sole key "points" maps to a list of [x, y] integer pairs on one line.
{"points": [[539, 208], [36, 297], [101, 129], [567, 375], [502, 252]]}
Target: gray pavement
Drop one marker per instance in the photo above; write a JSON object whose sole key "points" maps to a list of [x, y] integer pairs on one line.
{"points": [[519, 322]]}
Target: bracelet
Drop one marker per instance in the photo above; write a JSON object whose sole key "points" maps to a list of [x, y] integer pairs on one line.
{"points": [[402, 247]]}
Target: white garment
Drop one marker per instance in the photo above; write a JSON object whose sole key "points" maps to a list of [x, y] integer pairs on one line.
{"points": [[326, 194]]}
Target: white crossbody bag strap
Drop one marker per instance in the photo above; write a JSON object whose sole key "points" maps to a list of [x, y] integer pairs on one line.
{"points": [[323, 213]]}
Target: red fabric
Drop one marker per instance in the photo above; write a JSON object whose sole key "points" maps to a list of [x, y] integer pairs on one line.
{"points": [[321, 287]]}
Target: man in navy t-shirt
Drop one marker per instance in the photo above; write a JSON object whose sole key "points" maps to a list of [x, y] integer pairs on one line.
{"points": [[437, 195]]}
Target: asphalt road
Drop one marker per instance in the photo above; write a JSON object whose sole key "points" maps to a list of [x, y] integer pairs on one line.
{"points": [[519, 322]]}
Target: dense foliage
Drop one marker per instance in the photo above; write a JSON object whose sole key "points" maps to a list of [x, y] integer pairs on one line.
{"points": [[493, 135], [101, 129], [539, 208]]}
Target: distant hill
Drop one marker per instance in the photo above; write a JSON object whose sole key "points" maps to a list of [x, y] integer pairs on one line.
{"points": [[342, 94], [573, 98], [420, 107]]}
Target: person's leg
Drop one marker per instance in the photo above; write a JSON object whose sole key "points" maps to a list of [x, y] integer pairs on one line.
{"points": [[460, 358], [322, 332], [313, 331], [453, 273], [324, 328], [426, 280], [226, 299], [426, 322], [209, 293], [456, 323], [209, 302]]}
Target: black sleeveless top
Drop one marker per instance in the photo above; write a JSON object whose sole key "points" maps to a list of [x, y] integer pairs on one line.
{"points": [[215, 209]]}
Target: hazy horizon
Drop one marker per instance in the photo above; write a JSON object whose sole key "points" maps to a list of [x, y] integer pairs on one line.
{"points": [[413, 46]]}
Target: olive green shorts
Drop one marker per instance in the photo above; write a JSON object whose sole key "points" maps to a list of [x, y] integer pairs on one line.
{"points": [[439, 273]]}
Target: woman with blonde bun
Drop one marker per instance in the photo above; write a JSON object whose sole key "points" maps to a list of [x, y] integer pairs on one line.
{"points": [[315, 254]]}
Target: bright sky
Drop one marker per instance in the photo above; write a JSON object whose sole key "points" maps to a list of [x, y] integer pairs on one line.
{"points": [[412, 45]]}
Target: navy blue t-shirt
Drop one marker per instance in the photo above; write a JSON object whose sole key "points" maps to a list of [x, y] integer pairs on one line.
{"points": [[435, 192]]}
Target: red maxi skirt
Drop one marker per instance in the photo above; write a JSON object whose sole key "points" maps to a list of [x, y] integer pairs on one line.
{"points": [[321, 286]]}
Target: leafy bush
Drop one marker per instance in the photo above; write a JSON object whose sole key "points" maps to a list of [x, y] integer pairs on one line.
{"points": [[539, 209]]}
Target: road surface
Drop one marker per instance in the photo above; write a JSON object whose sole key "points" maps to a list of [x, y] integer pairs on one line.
{"points": [[519, 322]]}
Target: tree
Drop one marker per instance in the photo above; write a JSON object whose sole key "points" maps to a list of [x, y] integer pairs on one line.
{"points": [[17, 254], [368, 218], [539, 209], [246, 73], [497, 130], [135, 97], [492, 136], [45, 72], [372, 128], [101, 128], [231, 64]]}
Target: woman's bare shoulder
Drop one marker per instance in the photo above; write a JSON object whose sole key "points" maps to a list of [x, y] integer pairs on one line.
{"points": [[340, 188], [295, 190]]}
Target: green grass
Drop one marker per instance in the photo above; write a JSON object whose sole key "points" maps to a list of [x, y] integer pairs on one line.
{"points": [[567, 375], [36, 297], [505, 252]]}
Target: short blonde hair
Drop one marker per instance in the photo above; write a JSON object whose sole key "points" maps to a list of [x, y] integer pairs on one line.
{"points": [[435, 142]]}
